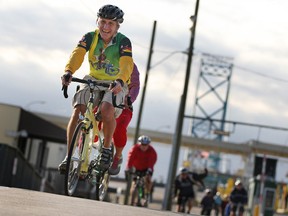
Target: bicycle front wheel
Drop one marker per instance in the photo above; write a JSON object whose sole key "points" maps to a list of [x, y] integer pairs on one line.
{"points": [[73, 166], [140, 192], [102, 186]]}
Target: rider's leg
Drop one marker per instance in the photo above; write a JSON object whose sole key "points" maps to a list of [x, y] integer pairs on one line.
{"points": [[109, 114], [148, 184], [208, 212], [148, 188], [178, 208], [241, 210], [109, 122], [133, 192], [190, 204], [120, 139], [120, 133], [118, 151], [233, 210], [179, 201]]}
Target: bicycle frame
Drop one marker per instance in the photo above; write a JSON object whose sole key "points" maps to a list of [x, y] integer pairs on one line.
{"points": [[89, 121], [80, 163], [139, 189]]}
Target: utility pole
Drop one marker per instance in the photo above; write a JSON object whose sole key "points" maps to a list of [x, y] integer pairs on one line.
{"points": [[128, 186], [262, 183], [145, 83], [178, 130]]}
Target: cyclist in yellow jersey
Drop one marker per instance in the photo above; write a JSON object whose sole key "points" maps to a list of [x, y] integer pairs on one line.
{"points": [[110, 59]]}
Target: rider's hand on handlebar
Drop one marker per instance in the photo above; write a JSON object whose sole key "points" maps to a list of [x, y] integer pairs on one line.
{"points": [[128, 103], [132, 170], [149, 172], [66, 78], [128, 172], [116, 86]]}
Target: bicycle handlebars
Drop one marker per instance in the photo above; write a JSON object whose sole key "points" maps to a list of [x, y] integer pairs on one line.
{"points": [[89, 82], [93, 83]]}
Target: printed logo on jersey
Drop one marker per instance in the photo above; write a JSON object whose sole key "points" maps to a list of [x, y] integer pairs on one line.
{"points": [[83, 42], [126, 49], [101, 62]]}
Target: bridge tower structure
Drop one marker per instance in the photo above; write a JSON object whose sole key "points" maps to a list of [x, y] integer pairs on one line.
{"points": [[211, 100]]}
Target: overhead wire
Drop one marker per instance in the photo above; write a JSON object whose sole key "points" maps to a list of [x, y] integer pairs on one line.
{"points": [[245, 69], [260, 74]]}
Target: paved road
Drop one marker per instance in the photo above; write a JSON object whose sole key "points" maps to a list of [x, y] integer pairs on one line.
{"points": [[21, 202]]}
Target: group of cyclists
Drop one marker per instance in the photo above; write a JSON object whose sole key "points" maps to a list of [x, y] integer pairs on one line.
{"points": [[111, 61], [212, 200]]}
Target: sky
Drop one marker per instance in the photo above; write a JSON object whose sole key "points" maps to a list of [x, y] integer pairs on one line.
{"points": [[37, 37]]}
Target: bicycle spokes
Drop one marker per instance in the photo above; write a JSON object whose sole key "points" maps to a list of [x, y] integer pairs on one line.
{"points": [[74, 161]]}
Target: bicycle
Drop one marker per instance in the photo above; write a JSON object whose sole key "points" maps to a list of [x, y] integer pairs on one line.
{"points": [[83, 159], [237, 209], [184, 201], [139, 190]]}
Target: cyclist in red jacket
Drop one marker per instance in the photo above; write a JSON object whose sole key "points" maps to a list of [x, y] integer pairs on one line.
{"points": [[142, 158]]}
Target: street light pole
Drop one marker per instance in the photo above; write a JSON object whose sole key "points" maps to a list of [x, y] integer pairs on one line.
{"points": [[178, 130]]}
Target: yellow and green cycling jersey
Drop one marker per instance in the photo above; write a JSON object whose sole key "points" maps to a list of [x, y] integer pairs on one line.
{"points": [[110, 62]]}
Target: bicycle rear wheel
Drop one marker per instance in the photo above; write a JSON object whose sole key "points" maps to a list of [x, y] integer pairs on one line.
{"points": [[140, 192], [102, 182], [73, 166], [102, 186]]}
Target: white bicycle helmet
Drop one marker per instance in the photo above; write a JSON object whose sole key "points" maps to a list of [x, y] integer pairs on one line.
{"points": [[238, 182], [183, 170], [144, 140]]}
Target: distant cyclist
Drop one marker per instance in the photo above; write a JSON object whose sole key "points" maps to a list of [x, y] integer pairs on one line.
{"points": [[207, 203], [142, 157], [183, 187], [183, 190], [238, 198]]}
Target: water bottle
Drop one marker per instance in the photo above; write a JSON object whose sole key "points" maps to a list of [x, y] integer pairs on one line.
{"points": [[97, 145], [140, 192]]}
